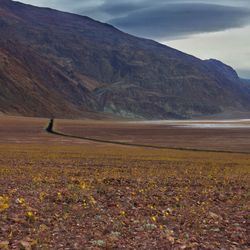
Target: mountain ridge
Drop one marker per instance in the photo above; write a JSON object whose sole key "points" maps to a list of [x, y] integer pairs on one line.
{"points": [[65, 65]]}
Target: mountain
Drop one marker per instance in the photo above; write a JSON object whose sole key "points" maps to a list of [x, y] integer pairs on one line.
{"points": [[58, 64], [246, 80]]}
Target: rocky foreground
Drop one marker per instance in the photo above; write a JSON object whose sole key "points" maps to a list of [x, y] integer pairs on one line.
{"points": [[107, 197]]}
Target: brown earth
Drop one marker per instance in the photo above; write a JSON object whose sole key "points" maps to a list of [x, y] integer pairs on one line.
{"points": [[168, 135], [31, 130], [62, 193]]}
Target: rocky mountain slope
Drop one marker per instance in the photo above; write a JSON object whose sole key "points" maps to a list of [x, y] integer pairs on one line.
{"points": [[59, 64], [246, 80]]}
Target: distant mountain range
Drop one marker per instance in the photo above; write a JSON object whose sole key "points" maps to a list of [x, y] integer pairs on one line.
{"points": [[58, 64], [246, 80]]}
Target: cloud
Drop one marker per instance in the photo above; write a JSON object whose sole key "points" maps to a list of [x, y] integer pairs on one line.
{"points": [[119, 8], [160, 19], [177, 20]]}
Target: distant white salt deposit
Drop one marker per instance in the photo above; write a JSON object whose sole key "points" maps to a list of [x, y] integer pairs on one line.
{"points": [[237, 123], [207, 125]]}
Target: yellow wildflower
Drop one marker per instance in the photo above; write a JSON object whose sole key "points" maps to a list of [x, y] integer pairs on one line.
{"points": [[154, 218], [42, 195], [92, 200], [84, 203], [83, 185], [59, 196], [4, 203], [123, 213], [30, 216]]}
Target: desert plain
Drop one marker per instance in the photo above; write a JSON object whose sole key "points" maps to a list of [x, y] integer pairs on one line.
{"points": [[68, 193]]}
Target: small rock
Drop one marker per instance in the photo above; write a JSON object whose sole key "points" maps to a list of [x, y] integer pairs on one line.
{"points": [[99, 243], [117, 234], [236, 224], [25, 245], [171, 239], [214, 216], [150, 226]]}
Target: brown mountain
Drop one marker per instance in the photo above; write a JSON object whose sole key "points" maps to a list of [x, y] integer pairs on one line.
{"points": [[66, 65]]}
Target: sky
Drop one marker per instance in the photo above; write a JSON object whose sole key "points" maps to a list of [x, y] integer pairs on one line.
{"points": [[217, 29]]}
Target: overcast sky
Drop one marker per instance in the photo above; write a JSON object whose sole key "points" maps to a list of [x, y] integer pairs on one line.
{"points": [[205, 28]]}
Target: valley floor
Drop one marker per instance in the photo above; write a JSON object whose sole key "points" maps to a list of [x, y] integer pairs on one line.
{"points": [[63, 193]]}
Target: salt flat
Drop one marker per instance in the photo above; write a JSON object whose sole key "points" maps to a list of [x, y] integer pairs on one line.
{"points": [[223, 135]]}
